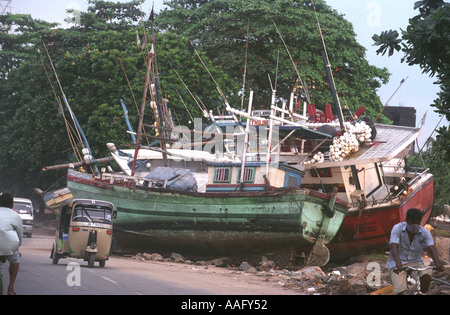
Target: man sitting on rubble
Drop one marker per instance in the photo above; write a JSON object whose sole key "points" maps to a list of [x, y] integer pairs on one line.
{"points": [[408, 241]]}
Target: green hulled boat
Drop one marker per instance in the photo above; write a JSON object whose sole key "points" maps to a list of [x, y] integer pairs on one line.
{"points": [[225, 218]]}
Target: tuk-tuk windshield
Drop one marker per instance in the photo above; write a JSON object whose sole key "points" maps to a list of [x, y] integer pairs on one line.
{"points": [[92, 214]]}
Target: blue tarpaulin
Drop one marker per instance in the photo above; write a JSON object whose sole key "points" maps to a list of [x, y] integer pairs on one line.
{"points": [[176, 178]]}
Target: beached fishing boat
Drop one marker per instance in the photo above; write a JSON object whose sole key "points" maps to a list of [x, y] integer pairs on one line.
{"points": [[375, 181], [378, 184], [225, 218], [373, 175], [154, 206], [286, 195]]}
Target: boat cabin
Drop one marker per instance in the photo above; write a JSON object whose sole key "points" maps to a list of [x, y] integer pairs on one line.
{"points": [[226, 177], [375, 174]]}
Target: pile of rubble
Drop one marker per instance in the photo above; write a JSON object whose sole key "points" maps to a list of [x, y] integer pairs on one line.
{"points": [[440, 288], [313, 280], [360, 278]]}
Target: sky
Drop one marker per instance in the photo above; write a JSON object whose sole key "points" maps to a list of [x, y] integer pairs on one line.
{"points": [[368, 17]]}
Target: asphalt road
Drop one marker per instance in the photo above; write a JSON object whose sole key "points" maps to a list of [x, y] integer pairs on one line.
{"points": [[38, 276], [123, 276]]}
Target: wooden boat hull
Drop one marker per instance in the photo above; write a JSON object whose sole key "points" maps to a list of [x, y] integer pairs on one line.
{"points": [[370, 228], [221, 222]]}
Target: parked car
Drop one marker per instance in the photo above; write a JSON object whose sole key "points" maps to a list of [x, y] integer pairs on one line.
{"points": [[24, 207]]}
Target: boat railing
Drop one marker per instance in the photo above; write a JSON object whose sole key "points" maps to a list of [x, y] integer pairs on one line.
{"points": [[417, 177], [134, 180], [388, 196], [400, 170]]}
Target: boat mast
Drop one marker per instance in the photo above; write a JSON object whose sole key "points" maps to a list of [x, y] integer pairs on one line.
{"points": [[141, 115], [272, 113], [245, 67], [333, 90], [247, 129], [72, 114], [128, 121], [161, 119], [304, 86], [151, 57], [326, 61]]}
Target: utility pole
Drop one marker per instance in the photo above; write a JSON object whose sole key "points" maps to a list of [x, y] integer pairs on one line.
{"points": [[5, 6]]}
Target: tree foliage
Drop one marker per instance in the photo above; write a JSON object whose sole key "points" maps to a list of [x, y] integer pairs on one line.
{"points": [[219, 28], [425, 43], [434, 158], [98, 64], [388, 40]]}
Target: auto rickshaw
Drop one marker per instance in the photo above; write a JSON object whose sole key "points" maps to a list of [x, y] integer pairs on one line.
{"points": [[84, 231]]}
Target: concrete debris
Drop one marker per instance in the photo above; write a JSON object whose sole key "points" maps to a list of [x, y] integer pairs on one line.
{"points": [[219, 262], [446, 211], [148, 257], [364, 275], [175, 257], [439, 288], [266, 264], [246, 267]]}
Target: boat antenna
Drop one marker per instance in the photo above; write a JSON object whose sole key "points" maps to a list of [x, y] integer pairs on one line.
{"points": [[77, 125], [70, 134], [276, 72], [329, 72], [395, 92], [189, 91], [184, 104], [423, 146], [245, 67], [222, 96], [304, 86]]}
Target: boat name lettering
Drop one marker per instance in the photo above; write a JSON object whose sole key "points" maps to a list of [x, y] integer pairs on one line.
{"points": [[261, 113], [367, 227]]}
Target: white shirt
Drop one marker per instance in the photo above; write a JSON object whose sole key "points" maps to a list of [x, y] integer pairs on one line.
{"points": [[408, 251], [11, 231]]}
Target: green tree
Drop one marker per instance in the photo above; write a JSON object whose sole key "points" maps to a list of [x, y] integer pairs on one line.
{"points": [[25, 121], [425, 43], [434, 159], [98, 64], [219, 28]]}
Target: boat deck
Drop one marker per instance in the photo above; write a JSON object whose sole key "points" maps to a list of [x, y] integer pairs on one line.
{"points": [[390, 142]]}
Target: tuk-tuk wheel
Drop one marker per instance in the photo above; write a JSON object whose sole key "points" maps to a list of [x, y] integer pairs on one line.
{"points": [[55, 256], [91, 260]]}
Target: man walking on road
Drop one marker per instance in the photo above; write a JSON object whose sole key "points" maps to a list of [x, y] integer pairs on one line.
{"points": [[11, 232]]}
